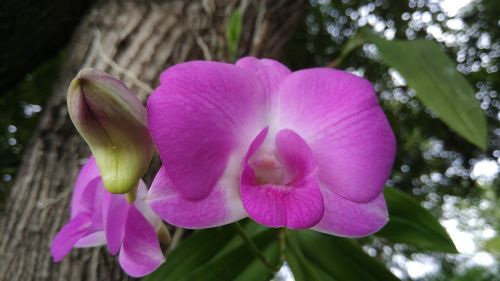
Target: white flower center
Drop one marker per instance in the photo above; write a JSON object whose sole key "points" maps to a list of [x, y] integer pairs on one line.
{"points": [[268, 169]]}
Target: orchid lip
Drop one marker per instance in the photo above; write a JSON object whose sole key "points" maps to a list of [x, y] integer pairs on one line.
{"points": [[278, 181]]}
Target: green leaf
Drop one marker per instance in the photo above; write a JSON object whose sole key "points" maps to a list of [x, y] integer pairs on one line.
{"points": [[414, 225], [233, 32], [251, 229], [301, 268], [238, 264], [218, 254], [438, 84], [192, 253], [256, 270], [326, 257]]}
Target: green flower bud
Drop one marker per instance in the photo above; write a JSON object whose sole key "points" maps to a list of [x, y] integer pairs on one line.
{"points": [[113, 122]]}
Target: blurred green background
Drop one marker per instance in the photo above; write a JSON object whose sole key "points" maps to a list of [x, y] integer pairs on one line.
{"points": [[454, 179]]}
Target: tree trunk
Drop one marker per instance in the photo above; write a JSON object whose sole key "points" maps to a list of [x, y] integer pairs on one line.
{"points": [[143, 37]]}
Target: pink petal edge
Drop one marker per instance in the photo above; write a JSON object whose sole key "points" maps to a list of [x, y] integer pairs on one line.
{"points": [[347, 218], [140, 253], [222, 206], [68, 236]]}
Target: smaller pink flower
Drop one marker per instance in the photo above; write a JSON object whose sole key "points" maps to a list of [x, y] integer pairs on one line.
{"points": [[99, 217]]}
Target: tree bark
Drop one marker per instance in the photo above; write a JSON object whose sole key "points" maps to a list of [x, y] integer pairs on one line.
{"points": [[134, 40]]}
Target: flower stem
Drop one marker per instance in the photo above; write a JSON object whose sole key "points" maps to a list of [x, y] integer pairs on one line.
{"points": [[282, 238], [251, 245], [164, 235], [131, 195], [176, 238]]}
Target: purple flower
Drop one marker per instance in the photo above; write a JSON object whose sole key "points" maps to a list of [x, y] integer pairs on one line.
{"points": [[308, 149], [99, 217]]}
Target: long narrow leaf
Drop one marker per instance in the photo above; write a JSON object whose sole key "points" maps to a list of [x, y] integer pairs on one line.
{"points": [[437, 82], [195, 251], [412, 224], [341, 259]]}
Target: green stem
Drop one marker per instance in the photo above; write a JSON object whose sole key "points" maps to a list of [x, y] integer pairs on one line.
{"points": [[251, 245], [164, 235], [337, 62], [352, 44], [282, 238], [132, 195]]}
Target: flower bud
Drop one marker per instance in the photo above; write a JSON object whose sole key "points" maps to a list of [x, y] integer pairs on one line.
{"points": [[113, 122]]}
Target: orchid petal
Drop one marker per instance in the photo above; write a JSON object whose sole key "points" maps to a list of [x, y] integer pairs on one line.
{"points": [[271, 73], [347, 218], [140, 253], [201, 115], [299, 203], [87, 202], [87, 173], [94, 239], [116, 209], [221, 206], [67, 237], [115, 214], [97, 218], [338, 115], [143, 207]]}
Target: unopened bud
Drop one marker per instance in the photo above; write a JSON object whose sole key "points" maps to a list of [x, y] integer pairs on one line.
{"points": [[113, 122]]}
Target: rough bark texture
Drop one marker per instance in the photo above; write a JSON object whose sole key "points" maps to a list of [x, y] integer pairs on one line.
{"points": [[143, 37]]}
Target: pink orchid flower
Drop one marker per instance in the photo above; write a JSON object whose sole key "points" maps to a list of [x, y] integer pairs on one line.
{"points": [[308, 149], [99, 217]]}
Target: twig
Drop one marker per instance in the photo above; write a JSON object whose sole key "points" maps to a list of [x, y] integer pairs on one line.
{"points": [[259, 28], [204, 47], [143, 86], [42, 204]]}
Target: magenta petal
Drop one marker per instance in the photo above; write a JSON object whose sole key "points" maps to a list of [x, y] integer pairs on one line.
{"points": [[97, 206], [67, 237], [94, 239], [299, 203], [141, 253], [143, 206], [115, 214], [88, 173], [338, 115], [200, 115], [221, 206], [271, 73], [351, 219], [89, 203]]}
